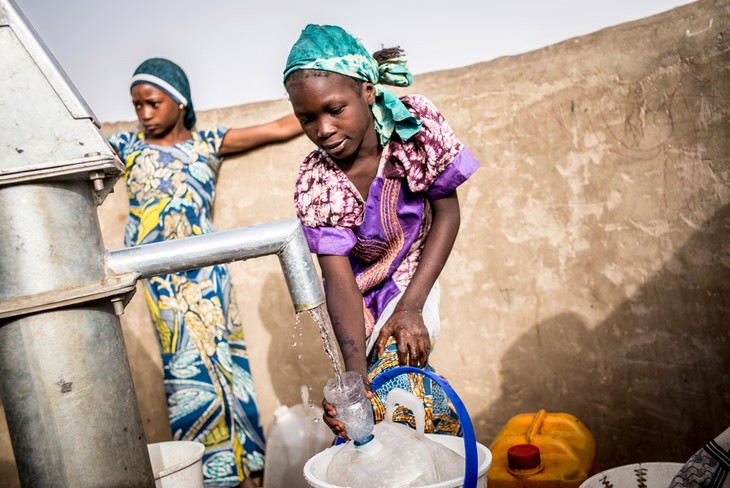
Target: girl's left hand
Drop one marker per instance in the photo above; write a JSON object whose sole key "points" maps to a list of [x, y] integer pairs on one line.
{"points": [[411, 336], [330, 412]]}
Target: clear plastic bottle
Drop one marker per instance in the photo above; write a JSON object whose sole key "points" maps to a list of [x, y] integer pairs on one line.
{"points": [[296, 434], [347, 394]]}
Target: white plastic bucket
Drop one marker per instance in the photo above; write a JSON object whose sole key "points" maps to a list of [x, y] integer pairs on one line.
{"points": [[477, 458], [316, 468], [640, 475], [177, 464]]}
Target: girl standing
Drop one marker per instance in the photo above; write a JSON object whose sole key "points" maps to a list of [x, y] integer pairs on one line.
{"points": [[378, 204], [171, 172]]}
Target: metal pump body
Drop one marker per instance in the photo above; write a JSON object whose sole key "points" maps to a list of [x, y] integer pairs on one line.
{"points": [[65, 379]]}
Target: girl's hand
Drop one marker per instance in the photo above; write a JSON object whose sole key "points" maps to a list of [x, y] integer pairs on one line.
{"points": [[330, 412], [411, 336], [406, 324]]}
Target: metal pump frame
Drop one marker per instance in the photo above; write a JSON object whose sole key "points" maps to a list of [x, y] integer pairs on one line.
{"points": [[65, 379]]}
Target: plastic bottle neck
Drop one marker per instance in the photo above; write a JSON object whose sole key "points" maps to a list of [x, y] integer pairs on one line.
{"points": [[368, 446], [365, 441]]}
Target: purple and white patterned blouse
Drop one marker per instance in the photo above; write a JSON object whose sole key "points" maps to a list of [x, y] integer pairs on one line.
{"points": [[383, 235]]}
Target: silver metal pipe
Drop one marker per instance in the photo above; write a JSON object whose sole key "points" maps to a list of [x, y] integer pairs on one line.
{"points": [[51, 238], [70, 402], [301, 277], [284, 238], [66, 382]]}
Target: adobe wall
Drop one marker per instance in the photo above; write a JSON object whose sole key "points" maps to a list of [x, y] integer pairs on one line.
{"points": [[592, 271]]}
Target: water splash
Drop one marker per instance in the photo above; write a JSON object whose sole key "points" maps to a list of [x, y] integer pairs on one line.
{"points": [[308, 401]]}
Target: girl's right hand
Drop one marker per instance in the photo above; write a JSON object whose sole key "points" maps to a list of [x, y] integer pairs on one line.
{"points": [[411, 336]]}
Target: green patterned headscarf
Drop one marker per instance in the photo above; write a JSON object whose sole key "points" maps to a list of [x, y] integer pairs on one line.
{"points": [[331, 48]]}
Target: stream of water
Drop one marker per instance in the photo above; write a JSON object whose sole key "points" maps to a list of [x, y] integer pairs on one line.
{"points": [[324, 324]]}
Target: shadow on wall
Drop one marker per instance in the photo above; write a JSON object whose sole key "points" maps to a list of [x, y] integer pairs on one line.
{"points": [[660, 362], [296, 355]]}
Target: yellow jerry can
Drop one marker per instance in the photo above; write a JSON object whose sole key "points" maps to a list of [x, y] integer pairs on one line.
{"points": [[542, 450]]}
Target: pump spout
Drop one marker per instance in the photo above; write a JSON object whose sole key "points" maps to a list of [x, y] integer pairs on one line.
{"points": [[284, 238]]}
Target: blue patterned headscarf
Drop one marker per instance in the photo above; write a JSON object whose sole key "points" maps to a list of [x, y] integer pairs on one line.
{"points": [[331, 48], [170, 78]]}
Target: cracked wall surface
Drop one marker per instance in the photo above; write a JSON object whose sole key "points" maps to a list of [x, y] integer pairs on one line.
{"points": [[591, 274]]}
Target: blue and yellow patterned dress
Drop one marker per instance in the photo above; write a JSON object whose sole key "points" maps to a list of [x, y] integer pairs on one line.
{"points": [[210, 392]]}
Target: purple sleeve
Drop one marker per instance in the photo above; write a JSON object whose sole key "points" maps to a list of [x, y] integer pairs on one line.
{"points": [[461, 168], [329, 240]]}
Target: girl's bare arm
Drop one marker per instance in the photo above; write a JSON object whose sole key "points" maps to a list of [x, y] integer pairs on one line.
{"points": [[345, 306], [246, 138]]}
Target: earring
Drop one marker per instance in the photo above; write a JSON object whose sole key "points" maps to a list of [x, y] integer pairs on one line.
{"points": [[181, 106]]}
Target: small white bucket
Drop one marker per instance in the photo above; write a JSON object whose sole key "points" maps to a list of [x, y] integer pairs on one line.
{"points": [[640, 475], [177, 464], [316, 467]]}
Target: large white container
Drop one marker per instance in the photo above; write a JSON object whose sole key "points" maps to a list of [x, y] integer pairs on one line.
{"points": [[296, 434], [177, 464], [316, 467], [639, 475]]}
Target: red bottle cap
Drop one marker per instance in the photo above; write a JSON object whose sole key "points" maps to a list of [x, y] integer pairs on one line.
{"points": [[523, 456]]}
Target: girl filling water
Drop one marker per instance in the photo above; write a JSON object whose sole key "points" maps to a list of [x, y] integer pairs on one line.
{"points": [[377, 200]]}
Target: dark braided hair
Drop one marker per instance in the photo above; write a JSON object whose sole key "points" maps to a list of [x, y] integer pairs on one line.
{"points": [[388, 53], [381, 56]]}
